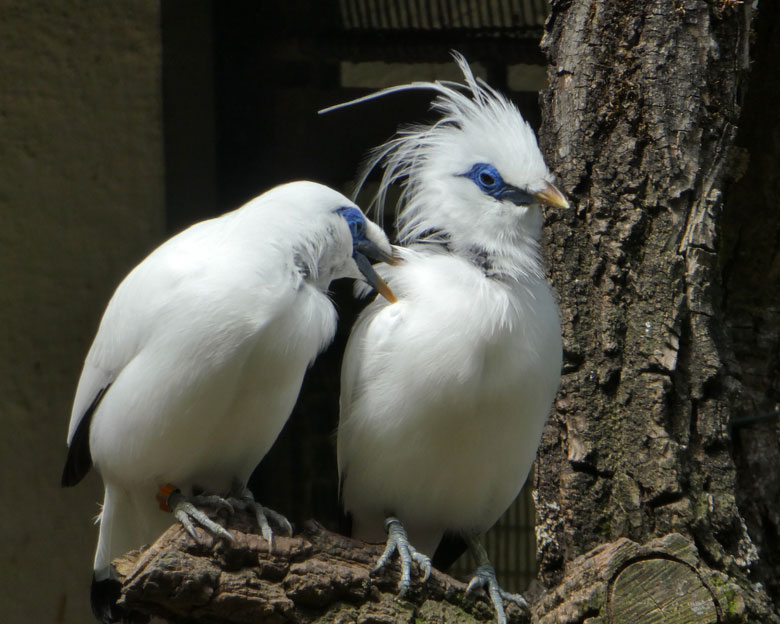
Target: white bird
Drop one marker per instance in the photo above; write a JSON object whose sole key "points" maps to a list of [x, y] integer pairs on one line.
{"points": [[445, 393], [199, 359]]}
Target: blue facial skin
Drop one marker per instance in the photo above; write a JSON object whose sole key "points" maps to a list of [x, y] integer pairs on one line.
{"points": [[490, 182], [361, 246], [357, 225], [364, 250]]}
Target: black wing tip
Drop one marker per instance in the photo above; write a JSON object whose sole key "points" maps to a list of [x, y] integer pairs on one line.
{"points": [[70, 475], [79, 459]]}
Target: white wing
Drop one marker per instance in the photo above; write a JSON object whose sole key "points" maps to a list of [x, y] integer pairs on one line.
{"points": [[124, 325], [133, 314]]}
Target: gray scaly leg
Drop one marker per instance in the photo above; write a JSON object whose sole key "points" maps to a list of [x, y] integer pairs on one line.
{"points": [[485, 578], [398, 541]]}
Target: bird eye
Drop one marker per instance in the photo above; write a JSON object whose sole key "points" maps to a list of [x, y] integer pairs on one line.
{"points": [[486, 179]]}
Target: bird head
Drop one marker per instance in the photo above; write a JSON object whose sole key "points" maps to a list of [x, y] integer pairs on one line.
{"points": [[326, 235], [368, 243], [474, 178]]}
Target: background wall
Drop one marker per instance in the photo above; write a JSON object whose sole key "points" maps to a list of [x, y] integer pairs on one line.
{"points": [[81, 201], [89, 181]]}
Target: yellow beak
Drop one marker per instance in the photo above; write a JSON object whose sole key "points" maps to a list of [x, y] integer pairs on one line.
{"points": [[552, 197]]}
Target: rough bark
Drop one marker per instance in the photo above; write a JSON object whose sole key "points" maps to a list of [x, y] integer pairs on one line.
{"points": [[639, 123], [317, 576], [322, 577]]}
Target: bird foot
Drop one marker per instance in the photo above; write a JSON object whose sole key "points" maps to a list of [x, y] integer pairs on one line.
{"points": [[398, 541], [185, 511], [245, 500], [485, 578]]}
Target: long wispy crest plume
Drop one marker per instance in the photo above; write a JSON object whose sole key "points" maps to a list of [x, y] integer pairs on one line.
{"points": [[404, 156]]}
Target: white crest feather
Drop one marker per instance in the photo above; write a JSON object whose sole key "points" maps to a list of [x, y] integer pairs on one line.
{"points": [[476, 122]]}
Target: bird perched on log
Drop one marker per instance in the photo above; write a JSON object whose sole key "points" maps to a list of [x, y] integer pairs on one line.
{"points": [[444, 394], [199, 359]]}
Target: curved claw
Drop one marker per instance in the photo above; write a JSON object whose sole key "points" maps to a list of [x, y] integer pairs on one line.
{"points": [[485, 578], [212, 500], [280, 521], [185, 512], [245, 500], [398, 541]]}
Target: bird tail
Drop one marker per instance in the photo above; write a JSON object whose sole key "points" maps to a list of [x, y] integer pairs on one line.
{"points": [[127, 521], [121, 528], [117, 533], [115, 530]]}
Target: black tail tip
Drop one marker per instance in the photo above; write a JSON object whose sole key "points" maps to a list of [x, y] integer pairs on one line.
{"points": [[104, 596]]}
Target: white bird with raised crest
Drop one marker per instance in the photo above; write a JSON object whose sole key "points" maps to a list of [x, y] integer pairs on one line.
{"points": [[199, 359], [444, 394]]}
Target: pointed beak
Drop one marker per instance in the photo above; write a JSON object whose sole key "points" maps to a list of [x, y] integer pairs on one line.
{"points": [[374, 252], [551, 196], [363, 254]]}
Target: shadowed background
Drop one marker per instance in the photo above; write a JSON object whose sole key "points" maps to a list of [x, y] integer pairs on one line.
{"points": [[124, 122]]}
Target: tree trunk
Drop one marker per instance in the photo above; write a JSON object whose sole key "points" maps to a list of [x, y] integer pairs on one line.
{"points": [[639, 124]]}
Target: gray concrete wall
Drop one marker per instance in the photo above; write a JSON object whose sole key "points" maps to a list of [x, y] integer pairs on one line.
{"points": [[81, 201]]}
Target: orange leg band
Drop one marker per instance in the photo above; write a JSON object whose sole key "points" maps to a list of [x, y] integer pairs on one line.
{"points": [[164, 494]]}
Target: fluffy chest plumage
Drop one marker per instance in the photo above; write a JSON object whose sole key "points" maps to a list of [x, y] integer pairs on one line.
{"points": [[460, 339], [460, 373]]}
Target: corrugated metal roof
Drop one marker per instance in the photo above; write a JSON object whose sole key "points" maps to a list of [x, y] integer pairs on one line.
{"points": [[484, 15]]}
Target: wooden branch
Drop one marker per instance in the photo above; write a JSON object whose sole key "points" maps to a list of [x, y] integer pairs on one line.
{"points": [[317, 576], [320, 577]]}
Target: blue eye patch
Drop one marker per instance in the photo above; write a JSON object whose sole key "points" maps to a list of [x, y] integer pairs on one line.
{"points": [[490, 182], [356, 222]]}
